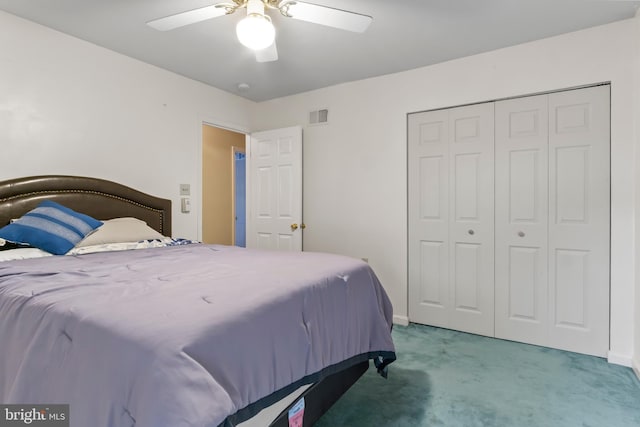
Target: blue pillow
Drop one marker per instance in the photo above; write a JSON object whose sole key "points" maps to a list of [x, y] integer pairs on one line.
{"points": [[51, 227]]}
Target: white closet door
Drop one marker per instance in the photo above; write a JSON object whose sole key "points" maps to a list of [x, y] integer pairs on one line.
{"points": [[521, 173], [428, 221], [579, 220], [451, 234], [471, 218], [549, 229]]}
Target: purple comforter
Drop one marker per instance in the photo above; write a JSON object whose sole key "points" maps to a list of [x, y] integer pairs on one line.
{"points": [[181, 336]]}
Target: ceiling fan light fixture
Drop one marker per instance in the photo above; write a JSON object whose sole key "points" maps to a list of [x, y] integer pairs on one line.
{"points": [[256, 30]]}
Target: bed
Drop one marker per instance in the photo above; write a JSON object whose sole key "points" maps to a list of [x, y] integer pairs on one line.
{"points": [[183, 334]]}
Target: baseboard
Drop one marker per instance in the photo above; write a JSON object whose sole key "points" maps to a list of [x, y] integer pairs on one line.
{"points": [[636, 369], [400, 320], [619, 359]]}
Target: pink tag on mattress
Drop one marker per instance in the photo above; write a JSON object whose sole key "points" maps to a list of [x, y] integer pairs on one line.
{"points": [[296, 414]]}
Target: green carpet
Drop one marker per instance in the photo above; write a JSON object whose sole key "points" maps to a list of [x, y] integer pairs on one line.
{"points": [[449, 378]]}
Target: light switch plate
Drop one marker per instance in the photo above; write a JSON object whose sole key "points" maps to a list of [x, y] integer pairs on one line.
{"points": [[185, 205], [185, 189]]}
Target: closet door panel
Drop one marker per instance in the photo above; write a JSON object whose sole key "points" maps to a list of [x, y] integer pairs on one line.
{"points": [[428, 207], [521, 170], [525, 284], [471, 232], [579, 144], [467, 286]]}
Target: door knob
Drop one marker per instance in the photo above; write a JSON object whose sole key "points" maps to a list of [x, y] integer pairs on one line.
{"points": [[294, 227], [303, 226]]}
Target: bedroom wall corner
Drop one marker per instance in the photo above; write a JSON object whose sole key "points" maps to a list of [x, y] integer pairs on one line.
{"points": [[636, 353], [400, 320], [71, 107]]}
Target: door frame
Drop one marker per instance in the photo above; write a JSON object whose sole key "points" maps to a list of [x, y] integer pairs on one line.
{"points": [[209, 121]]}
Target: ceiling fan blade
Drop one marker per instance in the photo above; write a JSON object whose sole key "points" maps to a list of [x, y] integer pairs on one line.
{"points": [[268, 54], [328, 16], [185, 18]]}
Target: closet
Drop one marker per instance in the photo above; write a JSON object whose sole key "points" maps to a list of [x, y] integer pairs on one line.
{"points": [[508, 219]]}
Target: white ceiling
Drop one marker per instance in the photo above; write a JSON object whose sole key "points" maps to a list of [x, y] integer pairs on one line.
{"points": [[405, 34]]}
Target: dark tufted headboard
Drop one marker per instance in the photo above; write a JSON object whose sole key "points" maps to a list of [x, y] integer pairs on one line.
{"points": [[98, 198]]}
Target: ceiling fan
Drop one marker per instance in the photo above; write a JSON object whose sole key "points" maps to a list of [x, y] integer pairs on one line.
{"points": [[256, 30]]}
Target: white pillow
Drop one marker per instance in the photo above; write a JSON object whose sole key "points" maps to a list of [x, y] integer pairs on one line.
{"points": [[121, 246], [24, 253], [120, 230]]}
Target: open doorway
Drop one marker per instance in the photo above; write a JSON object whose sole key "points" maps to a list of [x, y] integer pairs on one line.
{"points": [[219, 198]]}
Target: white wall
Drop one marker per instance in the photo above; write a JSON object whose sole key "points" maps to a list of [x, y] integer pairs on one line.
{"points": [[636, 91], [71, 107], [355, 167]]}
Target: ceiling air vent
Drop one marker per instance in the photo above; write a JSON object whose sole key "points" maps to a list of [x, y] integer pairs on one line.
{"points": [[319, 117]]}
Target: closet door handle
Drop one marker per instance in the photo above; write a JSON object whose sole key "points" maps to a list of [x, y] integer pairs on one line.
{"points": [[521, 233], [471, 232]]}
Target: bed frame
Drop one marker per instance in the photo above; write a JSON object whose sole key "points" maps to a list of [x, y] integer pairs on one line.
{"points": [[98, 198], [103, 200], [323, 394]]}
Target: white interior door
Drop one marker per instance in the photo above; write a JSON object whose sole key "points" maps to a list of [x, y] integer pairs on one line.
{"points": [[471, 218], [552, 220], [543, 252], [274, 176], [521, 173], [579, 223], [428, 221], [450, 184]]}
